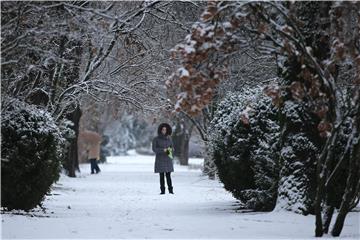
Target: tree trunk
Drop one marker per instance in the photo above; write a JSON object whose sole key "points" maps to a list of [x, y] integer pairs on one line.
{"points": [[55, 75], [351, 183], [176, 138], [327, 217], [209, 165], [72, 161], [184, 146], [320, 190], [181, 140], [184, 150], [323, 165], [344, 208], [318, 199], [72, 76]]}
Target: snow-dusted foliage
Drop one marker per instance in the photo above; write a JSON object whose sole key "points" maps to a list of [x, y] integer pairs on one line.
{"points": [[128, 132], [243, 147], [121, 138], [300, 148], [31, 152], [297, 174]]}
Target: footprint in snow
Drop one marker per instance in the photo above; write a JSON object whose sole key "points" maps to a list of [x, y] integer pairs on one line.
{"points": [[168, 229]]}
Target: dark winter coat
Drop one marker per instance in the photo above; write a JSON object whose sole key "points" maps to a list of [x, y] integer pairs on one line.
{"points": [[163, 163]]}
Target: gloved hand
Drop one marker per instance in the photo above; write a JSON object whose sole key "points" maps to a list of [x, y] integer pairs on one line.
{"points": [[169, 152]]}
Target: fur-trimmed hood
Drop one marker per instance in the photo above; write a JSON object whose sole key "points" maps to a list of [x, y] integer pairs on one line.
{"points": [[168, 129]]}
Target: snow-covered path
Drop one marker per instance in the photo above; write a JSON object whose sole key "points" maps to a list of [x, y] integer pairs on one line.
{"points": [[123, 201]]}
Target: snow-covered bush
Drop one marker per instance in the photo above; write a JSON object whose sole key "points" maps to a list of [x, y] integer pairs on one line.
{"points": [[243, 145], [128, 132], [31, 152], [66, 128], [267, 157], [297, 175], [300, 147]]}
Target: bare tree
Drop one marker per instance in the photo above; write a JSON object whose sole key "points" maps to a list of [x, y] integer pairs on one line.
{"points": [[55, 53]]}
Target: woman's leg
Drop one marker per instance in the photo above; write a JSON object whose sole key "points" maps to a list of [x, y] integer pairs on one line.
{"points": [[162, 183], [92, 165], [169, 183], [97, 169]]}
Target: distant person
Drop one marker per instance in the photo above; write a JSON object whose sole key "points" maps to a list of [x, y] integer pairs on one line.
{"points": [[92, 142], [163, 148]]}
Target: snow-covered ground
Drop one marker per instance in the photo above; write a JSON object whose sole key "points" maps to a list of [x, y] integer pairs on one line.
{"points": [[123, 201]]}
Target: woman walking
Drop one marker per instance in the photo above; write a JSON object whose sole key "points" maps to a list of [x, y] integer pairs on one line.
{"points": [[163, 148]]}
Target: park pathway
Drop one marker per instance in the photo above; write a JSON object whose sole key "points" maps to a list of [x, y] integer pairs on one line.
{"points": [[123, 201]]}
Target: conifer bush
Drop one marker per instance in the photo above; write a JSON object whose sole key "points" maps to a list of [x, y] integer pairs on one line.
{"points": [[30, 155], [244, 148]]}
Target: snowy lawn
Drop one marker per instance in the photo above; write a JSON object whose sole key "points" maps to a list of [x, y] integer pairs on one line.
{"points": [[123, 201]]}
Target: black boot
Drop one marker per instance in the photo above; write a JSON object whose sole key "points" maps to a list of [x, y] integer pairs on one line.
{"points": [[169, 183], [162, 183]]}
